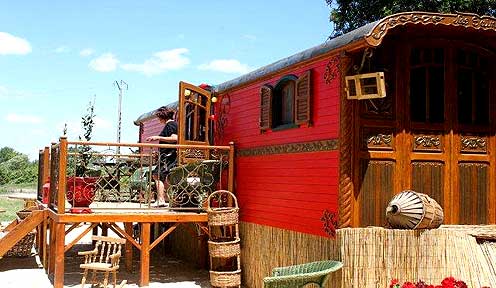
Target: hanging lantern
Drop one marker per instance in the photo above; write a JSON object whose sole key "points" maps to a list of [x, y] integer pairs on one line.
{"points": [[214, 99]]}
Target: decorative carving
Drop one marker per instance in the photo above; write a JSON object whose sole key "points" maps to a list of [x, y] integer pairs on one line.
{"points": [[372, 139], [473, 144], [314, 146], [331, 70], [427, 143], [330, 223], [345, 152], [221, 122], [381, 107], [466, 20]]}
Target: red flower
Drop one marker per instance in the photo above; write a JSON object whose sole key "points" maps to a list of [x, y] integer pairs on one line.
{"points": [[394, 283], [448, 282], [408, 285], [460, 284]]}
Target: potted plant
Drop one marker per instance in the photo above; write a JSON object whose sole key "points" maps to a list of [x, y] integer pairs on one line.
{"points": [[81, 187]]}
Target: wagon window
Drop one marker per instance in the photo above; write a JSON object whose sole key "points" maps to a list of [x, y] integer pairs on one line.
{"points": [[283, 102], [473, 88], [427, 85], [288, 104]]}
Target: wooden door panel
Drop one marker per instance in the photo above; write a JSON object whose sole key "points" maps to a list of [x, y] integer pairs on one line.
{"points": [[473, 193], [376, 191], [428, 178]]}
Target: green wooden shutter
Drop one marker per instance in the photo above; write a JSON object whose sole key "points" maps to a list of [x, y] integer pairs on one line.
{"points": [[265, 107], [302, 99]]}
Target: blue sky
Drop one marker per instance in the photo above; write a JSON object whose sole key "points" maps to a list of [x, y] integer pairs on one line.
{"points": [[56, 55]]}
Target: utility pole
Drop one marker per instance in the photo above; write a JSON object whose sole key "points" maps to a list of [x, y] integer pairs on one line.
{"points": [[120, 87]]}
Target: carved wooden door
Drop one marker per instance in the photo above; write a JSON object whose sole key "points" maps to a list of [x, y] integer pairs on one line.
{"points": [[434, 133]]}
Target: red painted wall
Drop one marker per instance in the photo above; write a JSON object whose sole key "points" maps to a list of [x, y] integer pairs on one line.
{"points": [[151, 127], [289, 191]]}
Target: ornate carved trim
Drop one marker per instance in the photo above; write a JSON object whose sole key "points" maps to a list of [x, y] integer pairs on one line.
{"points": [[465, 20], [330, 223], [346, 188], [424, 142], [473, 144], [372, 139], [331, 70], [314, 146]]}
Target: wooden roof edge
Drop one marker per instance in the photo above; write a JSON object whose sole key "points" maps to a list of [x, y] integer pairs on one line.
{"points": [[459, 20]]}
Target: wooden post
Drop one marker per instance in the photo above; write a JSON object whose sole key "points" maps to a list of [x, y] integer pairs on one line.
{"points": [[46, 165], [128, 248], [44, 245], [145, 255], [58, 279], [51, 250], [62, 176], [230, 184]]}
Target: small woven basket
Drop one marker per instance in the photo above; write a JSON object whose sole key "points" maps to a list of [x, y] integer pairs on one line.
{"points": [[23, 214], [23, 247], [225, 279], [219, 216], [224, 249]]}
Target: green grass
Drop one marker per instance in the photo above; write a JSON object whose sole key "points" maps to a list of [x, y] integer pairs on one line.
{"points": [[11, 206], [9, 188]]}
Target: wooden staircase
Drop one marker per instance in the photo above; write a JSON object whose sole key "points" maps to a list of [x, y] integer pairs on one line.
{"points": [[17, 229]]}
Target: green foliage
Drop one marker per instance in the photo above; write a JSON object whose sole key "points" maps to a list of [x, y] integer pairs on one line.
{"points": [[10, 206], [15, 167], [84, 151], [348, 15]]}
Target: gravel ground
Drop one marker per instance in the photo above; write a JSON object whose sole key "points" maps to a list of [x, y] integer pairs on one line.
{"points": [[165, 271]]}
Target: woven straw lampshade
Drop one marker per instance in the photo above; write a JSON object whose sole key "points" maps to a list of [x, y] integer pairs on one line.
{"points": [[412, 210]]}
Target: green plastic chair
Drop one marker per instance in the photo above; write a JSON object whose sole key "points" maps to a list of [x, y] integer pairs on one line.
{"points": [[301, 275]]}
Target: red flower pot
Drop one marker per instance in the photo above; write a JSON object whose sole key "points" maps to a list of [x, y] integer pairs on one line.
{"points": [[80, 193]]}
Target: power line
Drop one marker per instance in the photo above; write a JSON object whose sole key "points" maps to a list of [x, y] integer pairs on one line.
{"points": [[120, 87]]}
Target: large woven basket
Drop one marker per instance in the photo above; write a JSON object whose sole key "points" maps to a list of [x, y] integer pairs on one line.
{"points": [[23, 247], [225, 279], [413, 210], [224, 249], [219, 216]]}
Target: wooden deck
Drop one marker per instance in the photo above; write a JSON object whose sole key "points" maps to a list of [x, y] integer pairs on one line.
{"points": [[60, 225]]}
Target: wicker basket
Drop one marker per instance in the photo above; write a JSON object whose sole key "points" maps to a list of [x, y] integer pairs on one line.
{"points": [[23, 247], [225, 279], [219, 216], [224, 249], [23, 214]]}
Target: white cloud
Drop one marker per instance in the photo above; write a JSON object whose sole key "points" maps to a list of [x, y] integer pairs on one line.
{"points": [[226, 66], [3, 93], [10, 44], [18, 118], [105, 63], [61, 49], [86, 52], [161, 61]]}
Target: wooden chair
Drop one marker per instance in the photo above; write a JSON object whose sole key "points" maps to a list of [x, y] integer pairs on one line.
{"points": [[104, 258], [301, 275]]}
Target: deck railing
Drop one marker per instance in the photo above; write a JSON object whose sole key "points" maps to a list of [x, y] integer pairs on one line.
{"points": [[121, 175]]}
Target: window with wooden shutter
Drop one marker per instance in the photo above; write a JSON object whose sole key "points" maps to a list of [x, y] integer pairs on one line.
{"points": [[265, 107], [302, 99]]}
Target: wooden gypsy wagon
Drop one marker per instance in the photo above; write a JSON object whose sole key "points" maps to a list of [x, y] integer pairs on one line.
{"points": [[326, 137]]}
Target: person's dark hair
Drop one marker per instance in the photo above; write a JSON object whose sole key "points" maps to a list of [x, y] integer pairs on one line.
{"points": [[164, 113]]}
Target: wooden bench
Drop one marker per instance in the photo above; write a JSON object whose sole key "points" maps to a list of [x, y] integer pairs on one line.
{"points": [[104, 258], [301, 275]]}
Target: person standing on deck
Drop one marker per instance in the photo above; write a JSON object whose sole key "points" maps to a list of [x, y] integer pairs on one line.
{"points": [[167, 156]]}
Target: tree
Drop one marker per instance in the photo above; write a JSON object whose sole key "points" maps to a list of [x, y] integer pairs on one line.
{"points": [[348, 15], [84, 151], [15, 167], [7, 153]]}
